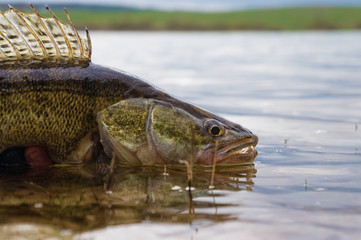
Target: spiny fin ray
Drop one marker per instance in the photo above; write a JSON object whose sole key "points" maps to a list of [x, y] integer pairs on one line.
{"points": [[32, 39]]}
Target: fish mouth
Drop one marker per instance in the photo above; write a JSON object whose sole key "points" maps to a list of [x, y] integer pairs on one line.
{"points": [[230, 153]]}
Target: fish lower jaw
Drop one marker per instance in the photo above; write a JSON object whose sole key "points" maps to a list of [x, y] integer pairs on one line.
{"points": [[230, 153], [244, 155]]}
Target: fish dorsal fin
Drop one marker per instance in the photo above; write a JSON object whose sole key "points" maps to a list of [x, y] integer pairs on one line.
{"points": [[29, 39]]}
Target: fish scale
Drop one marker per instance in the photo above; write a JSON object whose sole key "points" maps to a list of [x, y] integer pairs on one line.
{"points": [[53, 96]]}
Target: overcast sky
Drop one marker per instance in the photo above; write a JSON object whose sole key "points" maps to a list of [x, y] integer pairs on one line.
{"points": [[209, 5]]}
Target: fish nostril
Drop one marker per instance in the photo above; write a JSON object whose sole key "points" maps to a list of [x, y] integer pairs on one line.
{"points": [[238, 127], [243, 130]]}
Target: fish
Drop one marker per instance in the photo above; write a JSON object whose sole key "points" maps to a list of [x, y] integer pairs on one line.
{"points": [[54, 97]]}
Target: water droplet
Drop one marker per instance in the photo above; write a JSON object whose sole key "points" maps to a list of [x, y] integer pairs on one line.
{"points": [[38, 205], [176, 187]]}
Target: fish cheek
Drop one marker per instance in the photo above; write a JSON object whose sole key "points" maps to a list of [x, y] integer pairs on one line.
{"points": [[123, 130], [174, 133]]}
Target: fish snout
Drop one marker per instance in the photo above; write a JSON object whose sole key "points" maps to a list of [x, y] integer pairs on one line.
{"points": [[241, 151]]}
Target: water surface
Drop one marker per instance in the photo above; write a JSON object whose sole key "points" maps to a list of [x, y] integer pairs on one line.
{"points": [[299, 92]]}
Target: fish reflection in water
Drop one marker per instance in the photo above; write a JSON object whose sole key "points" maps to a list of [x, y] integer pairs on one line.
{"points": [[68, 197]]}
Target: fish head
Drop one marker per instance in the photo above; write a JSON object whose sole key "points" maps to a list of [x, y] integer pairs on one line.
{"points": [[140, 131]]}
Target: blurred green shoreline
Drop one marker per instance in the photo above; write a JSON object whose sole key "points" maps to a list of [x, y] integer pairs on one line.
{"points": [[315, 18]]}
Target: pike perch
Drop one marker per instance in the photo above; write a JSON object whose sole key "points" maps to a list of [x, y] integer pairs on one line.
{"points": [[52, 96]]}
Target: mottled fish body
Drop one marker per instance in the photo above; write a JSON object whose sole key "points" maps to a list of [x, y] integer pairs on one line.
{"points": [[52, 96]]}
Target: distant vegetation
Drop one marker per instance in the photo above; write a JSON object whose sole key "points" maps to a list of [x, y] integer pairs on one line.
{"points": [[268, 19]]}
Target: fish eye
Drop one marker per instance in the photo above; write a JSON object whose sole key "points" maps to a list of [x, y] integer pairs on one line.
{"points": [[214, 128]]}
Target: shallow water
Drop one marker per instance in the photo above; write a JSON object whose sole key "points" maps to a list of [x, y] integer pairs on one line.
{"points": [[299, 92]]}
